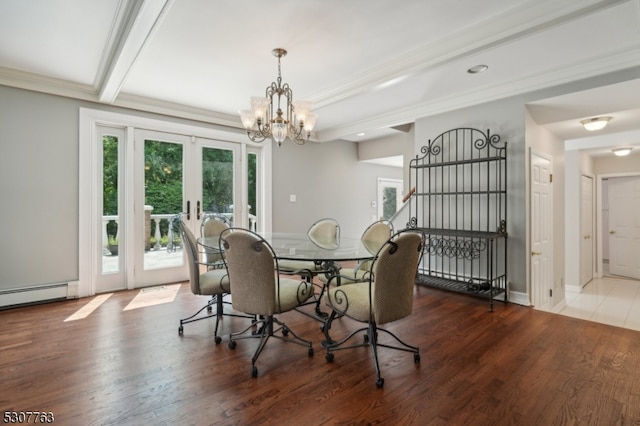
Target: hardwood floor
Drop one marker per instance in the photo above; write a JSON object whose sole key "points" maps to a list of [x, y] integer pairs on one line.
{"points": [[130, 367]]}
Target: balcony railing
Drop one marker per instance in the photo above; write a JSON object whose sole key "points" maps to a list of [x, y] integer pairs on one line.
{"points": [[153, 225]]}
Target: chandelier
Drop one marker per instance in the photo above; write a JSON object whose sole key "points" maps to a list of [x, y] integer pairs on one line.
{"points": [[266, 118]]}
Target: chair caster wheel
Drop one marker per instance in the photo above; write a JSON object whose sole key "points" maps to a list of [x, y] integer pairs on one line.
{"points": [[209, 309], [218, 339], [180, 330], [416, 358], [254, 371], [380, 382], [232, 344], [310, 351], [330, 357], [285, 331], [366, 338]]}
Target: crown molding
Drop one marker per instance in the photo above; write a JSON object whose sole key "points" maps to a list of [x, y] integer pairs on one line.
{"points": [[54, 86], [620, 60], [514, 23], [172, 109]]}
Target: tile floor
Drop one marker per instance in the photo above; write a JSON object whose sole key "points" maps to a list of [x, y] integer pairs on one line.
{"points": [[608, 300]]}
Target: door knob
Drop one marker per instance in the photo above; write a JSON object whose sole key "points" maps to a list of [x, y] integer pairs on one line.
{"points": [[536, 253], [587, 237], [612, 232]]}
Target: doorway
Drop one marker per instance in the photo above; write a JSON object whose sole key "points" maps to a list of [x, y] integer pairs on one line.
{"points": [[621, 231], [541, 238], [138, 181], [586, 229]]}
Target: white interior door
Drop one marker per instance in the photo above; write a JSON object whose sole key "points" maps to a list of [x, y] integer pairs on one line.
{"points": [[587, 230], [624, 227], [541, 231]]}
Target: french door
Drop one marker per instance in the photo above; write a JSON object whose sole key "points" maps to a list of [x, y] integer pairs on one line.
{"points": [[154, 178]]}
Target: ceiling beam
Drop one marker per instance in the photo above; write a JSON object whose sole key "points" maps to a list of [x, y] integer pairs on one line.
{"points": [[134, 26]]}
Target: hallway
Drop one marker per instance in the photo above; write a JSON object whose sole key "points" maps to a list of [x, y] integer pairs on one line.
{"points": [[608, 300]]}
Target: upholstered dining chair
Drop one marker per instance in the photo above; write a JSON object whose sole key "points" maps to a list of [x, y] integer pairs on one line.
{"points": [[212, 225], [373, 238], [324, 233], [259, 290], [203, 282], [385, 297]]}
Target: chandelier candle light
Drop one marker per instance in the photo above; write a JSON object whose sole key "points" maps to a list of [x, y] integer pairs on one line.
{"points": [[267, 119]]}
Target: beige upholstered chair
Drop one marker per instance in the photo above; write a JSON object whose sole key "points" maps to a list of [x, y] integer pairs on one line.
{"points": [[324, 233], [214, 283], [387, 296], [372, 238], [260, 291], [211, 226]]}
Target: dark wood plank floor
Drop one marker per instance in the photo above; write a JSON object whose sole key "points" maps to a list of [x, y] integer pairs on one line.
{"points": [[513, 366]]}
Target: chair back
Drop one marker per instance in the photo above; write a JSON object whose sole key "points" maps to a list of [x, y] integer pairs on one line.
{"points": [[250, 262], [376, 234], [395, 268], [325, 233], [212, 226], [191, 248]]}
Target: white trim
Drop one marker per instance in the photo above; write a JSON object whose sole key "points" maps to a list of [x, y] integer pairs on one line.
{"points": [[89, 119], [519, 298], [598, 208]]}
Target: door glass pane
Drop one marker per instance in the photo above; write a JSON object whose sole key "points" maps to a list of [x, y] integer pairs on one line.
{"points": [[110, 218], [217, 182], [163, 198], [252, 181], [389, 202]]}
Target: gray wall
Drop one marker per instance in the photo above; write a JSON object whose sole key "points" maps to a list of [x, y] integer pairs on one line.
{"points": [[39, 186], [328, 181], [506, 117]]}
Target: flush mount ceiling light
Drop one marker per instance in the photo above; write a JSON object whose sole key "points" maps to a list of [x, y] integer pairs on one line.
{"points": [[621, 152], [266, 118], [595, 123], [477, 69]]}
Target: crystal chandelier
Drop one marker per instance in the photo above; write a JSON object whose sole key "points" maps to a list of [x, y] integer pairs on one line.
{"points": [[266, 117]]}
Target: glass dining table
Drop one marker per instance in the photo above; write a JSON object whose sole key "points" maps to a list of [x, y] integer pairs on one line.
{"points": [[327, 256]]}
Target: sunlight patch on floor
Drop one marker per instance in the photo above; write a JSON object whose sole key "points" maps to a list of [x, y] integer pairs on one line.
{"points": [[151, 296], [87, 309]]}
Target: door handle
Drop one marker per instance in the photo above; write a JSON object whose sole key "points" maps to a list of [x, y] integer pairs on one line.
{"points": [[198, 210], [536, 253], [587, 237], [188, 210], [612, 232]]}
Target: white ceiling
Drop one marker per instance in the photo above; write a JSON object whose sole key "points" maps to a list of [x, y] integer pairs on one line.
{"points": [[368, 65]]}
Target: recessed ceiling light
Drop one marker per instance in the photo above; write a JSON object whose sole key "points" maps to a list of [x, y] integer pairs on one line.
{"points": [[595, 123], [477, 69], [621, 152], [360, 134]]}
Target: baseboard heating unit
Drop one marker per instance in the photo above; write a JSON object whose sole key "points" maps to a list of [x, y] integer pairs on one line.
{"points": [[33, 295]]}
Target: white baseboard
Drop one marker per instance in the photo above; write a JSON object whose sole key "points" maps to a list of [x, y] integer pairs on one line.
{"points": [[73, 290], [574, 289], [36, 294], [519, 298]]}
